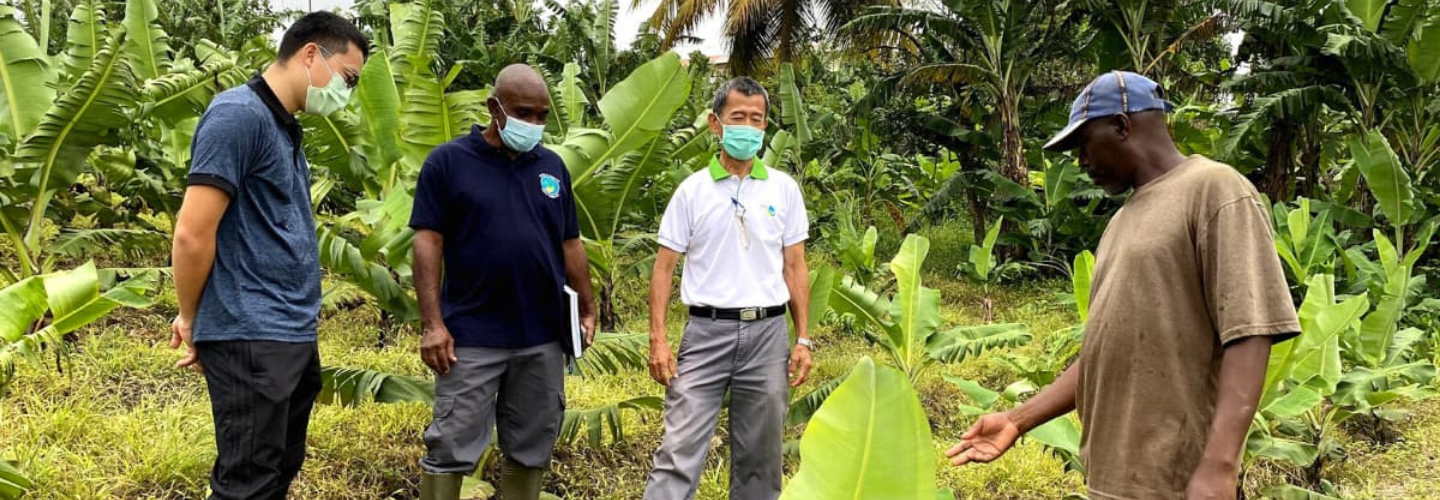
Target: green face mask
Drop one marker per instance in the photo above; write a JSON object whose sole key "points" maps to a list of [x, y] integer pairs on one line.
{"points": [[742, 142], [330, 98]]}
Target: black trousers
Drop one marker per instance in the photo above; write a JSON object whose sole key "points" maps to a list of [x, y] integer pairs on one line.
{"points": [[261, 393]]}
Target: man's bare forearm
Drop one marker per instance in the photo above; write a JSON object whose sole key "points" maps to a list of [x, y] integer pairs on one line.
{"points": [[429, 254], [661, 278], [1054, 400], [577, 273], [192, 255], [1242, 380], [797, 280]]}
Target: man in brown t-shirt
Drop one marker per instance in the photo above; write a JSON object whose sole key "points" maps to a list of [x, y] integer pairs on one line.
{"points": [[1187, 298]]}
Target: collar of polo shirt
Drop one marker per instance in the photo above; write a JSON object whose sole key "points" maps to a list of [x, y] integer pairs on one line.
{"points": [[718, 172]]}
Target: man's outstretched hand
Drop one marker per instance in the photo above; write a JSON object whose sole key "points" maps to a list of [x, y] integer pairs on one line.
{"points": [[987, 440]]}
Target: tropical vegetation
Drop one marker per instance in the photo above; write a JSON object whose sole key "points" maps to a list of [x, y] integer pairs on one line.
{"points": [[952, 256]]}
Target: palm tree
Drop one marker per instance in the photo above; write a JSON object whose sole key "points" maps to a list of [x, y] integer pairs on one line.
{"points": [[989, 48], [759, 30]]}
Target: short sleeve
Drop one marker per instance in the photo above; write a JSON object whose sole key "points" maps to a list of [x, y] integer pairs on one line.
{"points": [[224, 147], [675, 225], [430, 196], [1245, 286], [572, 222], [797, 222]]}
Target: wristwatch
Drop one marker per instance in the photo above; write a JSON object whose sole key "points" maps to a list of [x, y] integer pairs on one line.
{"points": [[806, 342]]}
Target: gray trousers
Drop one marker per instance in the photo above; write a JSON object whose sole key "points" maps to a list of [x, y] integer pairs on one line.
{"points": [[524, 388], [750, 360]]}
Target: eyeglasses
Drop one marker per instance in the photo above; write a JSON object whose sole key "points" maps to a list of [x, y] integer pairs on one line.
{"points": [[350, 74]]}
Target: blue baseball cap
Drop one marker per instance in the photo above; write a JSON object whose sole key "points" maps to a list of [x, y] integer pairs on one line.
{"points": [[1113, 93]]}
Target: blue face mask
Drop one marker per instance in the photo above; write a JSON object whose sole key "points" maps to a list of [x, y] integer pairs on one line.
{"points": [[519, 135], [742, 142]]}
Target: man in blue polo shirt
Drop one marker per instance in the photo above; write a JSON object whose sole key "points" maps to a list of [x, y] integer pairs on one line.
{"points": [[497, 209], [247, 266]]}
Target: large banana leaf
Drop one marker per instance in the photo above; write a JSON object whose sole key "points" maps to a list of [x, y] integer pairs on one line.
{"points": [[1080, 276], [379, 103], [72, 298], [1377, 330], [870, 440], [792, 107], [572, 98], [339, 256], [145, 43], [1424, 51], [183, 95], [25, 79], [1369, 12], [85, 36], [635, 110], [80, 120], [916, 309], [417, 28], [596, 420], [329, 141], [351, 386], [962, 343], [1387, 178], [852, 298], [1316, 352], [599, 202], [430, 117]]}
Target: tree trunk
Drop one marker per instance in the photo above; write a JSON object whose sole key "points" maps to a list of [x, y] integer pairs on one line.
{"points": [[1012, 144], [1275, 176], [979, 211], [608, 318]]}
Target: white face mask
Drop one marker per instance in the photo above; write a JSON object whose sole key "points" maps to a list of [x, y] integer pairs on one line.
{"points": [[330, 98]]}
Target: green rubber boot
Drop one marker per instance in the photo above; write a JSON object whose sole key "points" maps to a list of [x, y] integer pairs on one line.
{"points": [[440, 486], [518, 482]]}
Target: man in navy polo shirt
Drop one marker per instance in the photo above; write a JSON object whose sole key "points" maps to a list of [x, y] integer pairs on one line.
{"points": [[247, 266], [497, 209]]}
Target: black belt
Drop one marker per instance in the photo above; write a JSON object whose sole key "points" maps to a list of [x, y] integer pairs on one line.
{"points": [[744, 314]]}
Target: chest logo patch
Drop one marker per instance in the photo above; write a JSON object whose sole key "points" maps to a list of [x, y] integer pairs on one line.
{"points": [[550, 185], [771, 210]]}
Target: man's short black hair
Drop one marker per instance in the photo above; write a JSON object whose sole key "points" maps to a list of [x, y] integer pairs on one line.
{"points": [[745, 85], [327, 29]]}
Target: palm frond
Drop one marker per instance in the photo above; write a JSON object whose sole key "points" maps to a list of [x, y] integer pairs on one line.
{"points": [[353, 386], [133, 243], [595, 421], [614, 353], [1294, 104]]}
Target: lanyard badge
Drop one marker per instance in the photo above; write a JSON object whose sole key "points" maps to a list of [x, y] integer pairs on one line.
{"points": [[740, 216]]}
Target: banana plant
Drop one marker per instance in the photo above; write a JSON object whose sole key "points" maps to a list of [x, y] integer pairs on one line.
{"points": [[869, 440], [907, 327], [983, 267], [40, 310], [611, 164], [1292, 425], [1307, 243]]}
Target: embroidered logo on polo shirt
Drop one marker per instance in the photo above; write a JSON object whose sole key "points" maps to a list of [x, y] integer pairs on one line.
{"points": [[771, 210], [550, 185]]}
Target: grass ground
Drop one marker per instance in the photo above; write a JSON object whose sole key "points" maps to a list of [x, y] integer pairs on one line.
{"points": [[118, 422]]}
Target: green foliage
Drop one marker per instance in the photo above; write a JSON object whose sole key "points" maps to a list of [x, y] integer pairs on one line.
{"points": [[908, 327], [13, 483], [65, 301], [351, 387], [869, 440]]}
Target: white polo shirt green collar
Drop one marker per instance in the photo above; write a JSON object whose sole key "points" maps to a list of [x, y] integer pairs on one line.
{"points": [[718, 172], [701, 221]]}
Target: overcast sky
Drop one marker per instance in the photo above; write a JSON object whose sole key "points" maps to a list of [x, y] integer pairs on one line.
{"points": [[625, 27]]}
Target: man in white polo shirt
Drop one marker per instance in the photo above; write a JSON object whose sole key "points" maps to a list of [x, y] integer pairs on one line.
{"points": [[742, 228]]}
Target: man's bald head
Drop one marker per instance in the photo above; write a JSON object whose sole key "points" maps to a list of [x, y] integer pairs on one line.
{"points": [[520, 93]]}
